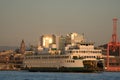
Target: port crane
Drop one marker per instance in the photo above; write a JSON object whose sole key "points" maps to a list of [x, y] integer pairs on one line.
{"points": [[113, 60]]}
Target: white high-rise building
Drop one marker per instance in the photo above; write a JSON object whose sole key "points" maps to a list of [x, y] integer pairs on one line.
{"points": [[76, 38], [47, 40]]}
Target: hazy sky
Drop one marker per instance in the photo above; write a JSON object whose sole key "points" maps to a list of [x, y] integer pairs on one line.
{"points": [[29, 19]]}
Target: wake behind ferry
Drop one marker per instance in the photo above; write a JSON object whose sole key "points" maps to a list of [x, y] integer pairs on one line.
{"points": [[80, 57]]}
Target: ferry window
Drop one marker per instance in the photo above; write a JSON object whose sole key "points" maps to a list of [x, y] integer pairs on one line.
{"points": [[70, 61], [81, 57], [73, 51], [73, 61], [98, 57], [67, 52], [66, 56], [86, 44], [67, 61], [74, 57], [57, 57]]}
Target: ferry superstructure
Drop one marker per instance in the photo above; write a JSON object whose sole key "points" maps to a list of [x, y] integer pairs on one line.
{"points": [[82, 57]]}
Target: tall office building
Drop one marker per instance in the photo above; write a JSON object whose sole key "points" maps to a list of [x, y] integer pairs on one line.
{"points": [[47, 40]]}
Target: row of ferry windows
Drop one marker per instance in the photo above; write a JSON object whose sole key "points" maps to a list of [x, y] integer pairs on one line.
{"points": [[82, 57], [91, 57], [58, 57], [67, 61], [51, 62], [84, 51], [49, 57], [70, 61]]}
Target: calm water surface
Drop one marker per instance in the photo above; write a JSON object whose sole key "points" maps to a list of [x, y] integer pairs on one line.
{"points": [[24, 75]]}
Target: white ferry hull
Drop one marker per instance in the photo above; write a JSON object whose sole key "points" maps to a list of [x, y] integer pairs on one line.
{"points": [[61, 65]]}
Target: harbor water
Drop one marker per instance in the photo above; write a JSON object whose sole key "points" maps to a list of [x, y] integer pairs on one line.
{"points": [[24, 75]]}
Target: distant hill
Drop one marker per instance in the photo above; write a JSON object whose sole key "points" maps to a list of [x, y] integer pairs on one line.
{"points": [[2, 48]]}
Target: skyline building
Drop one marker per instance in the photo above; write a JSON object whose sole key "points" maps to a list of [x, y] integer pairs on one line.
{"points": [[62, 43], [74, 38], [22, 47], [47, 39], [58, 42]]}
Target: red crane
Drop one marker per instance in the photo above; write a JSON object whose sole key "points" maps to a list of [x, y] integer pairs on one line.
{"points": [[113, 45]]}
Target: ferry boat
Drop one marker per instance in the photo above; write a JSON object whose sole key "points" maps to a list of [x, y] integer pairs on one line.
{"points": [[82, 57]]}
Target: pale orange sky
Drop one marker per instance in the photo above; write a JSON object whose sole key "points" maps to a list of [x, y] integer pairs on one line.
{"points": [[29, 19]]}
